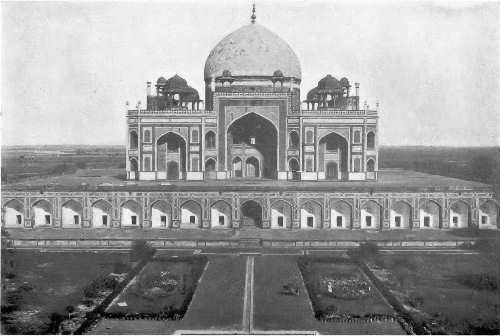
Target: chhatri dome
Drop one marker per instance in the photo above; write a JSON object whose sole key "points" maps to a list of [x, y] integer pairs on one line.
{"points": [[252, 50]]}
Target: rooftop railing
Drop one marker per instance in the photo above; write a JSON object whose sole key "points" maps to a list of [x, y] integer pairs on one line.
{"points": [[169, 111], [341, 113]]}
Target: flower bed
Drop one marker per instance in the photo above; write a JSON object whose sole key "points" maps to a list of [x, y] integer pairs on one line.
{"points": [[162, 290]]}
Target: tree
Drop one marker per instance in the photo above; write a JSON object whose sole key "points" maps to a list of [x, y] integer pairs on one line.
{"points": [[70, 310]]}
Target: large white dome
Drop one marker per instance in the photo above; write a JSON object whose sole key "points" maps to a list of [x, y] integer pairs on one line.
{"points": [[252, 50]]}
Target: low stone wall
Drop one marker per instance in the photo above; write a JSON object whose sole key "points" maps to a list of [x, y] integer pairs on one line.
{"points": [[170, 243]]}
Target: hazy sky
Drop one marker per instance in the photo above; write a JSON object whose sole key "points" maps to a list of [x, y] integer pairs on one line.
{"points": [[68, 68]]}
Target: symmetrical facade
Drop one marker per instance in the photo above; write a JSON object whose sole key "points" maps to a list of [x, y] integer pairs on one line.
{"points": [[253, 124]]}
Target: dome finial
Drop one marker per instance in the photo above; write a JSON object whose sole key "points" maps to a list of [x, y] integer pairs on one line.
{"points": [[253, 17]]}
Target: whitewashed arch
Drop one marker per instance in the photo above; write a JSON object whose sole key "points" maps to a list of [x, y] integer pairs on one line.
{"points": [[341, 215], [430, 214], [130, 214], [281, 214], [400, 215], [101, 214], [13, 213], [42, 213], [311, 215], [191, 212], [220, 215], [459, 214], [371, 215], [72, 214], [488, 216], [161, 214]]}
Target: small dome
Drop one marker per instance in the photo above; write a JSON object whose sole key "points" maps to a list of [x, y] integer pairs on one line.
{"points": [[252, 50], [176, 82], [226, 73], [161, 81], [278, 73], [329, 82]]}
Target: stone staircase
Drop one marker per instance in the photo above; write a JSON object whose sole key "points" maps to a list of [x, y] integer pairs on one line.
{"points": [[250, 242]]}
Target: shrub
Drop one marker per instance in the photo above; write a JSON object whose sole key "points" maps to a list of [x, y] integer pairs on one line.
{"points": [[98, 285], [140, 250]]}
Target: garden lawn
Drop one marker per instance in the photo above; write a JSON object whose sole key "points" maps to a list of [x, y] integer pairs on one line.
{"points": [[164, 285], [444, 290], [314, 270], [37, 284]]}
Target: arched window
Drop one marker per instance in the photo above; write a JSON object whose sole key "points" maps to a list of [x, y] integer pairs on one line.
{"points": [[133, 140], [194, 135], [210, 139], [309, 136], [293, 140], [357, 137], [147, 163], [370, 165], [147, 136], [357, 165], [370, 140]]}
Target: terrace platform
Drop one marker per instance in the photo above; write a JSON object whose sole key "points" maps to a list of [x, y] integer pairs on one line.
{"points": [[390, 180]]}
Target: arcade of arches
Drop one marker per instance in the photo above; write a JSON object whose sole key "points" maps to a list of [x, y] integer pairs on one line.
{"points": [[289, 213]]}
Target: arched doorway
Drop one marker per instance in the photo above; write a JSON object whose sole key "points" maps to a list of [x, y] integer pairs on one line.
{"points": [[251, 215], [72, 213], [133, 140], [42, 213], [172, 170], [294, 167], [400, 215], [293, 140], [371, 215], [311, 215], [332, 171], [190, 215], [333, 156], [430, 215], [220, 215], [210, 172], [171, 156], [160, 214], [13, 215], [252, 167], [281, 215], [131, 214], [340, 215], [459, 215], [101, 214], [134, 169], [237, 167], [488, 215], [254, 136]]}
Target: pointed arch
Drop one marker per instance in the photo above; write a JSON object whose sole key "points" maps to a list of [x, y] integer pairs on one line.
{"points": [[281, 214], [13, 213], [430, 214], [131, 214], [72, 213], [401, 214], [101, 213], [459, 214], [160, 212], [221, 214], [251, 213], [191, 212], [488, 215], [340, 215], [42, 213], [210, 140], [371, 215], [311, 214]]}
